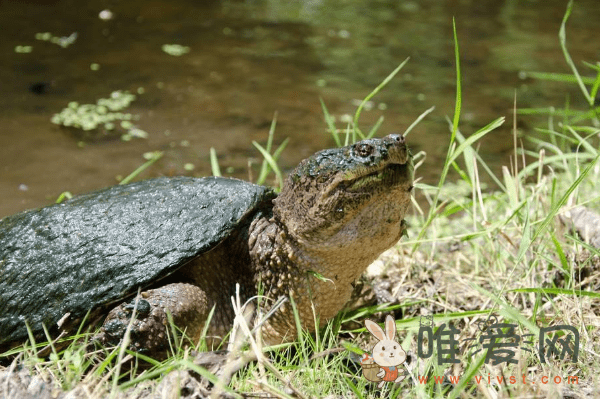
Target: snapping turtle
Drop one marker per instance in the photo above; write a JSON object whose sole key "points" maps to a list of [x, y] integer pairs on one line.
{"points": [[186, 243]]}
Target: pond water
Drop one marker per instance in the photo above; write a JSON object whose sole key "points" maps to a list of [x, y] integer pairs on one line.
{"points": [[248, 60]]}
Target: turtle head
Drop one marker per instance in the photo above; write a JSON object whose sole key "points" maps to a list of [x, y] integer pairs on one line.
{"points": [[344, 196]]}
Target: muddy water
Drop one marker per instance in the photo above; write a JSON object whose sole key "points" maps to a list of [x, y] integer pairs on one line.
{"points": [[250, 60]]}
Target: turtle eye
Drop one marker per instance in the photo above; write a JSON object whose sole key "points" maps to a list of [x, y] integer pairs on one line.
{"points": [[363, 149]]}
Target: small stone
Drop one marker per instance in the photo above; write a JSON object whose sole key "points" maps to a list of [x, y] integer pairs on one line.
{"points": [[106, 15]]}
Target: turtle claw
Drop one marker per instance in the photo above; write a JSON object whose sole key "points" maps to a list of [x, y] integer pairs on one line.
{"points": [[147, 318]]}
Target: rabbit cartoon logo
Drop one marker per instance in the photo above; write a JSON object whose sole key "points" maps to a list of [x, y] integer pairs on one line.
{"points": [[382, 366]]}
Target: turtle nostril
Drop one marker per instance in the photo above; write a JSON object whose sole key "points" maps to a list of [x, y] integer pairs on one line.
{"points": [[397, 138]]}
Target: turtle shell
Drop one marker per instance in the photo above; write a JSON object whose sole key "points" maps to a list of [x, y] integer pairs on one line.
{"points": [[100, 247]]}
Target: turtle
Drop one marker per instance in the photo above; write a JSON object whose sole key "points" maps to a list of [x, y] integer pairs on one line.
{"points": [[175, 250]]}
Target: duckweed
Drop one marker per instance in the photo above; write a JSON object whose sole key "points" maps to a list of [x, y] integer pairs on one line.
{"points": [[105, 115]]}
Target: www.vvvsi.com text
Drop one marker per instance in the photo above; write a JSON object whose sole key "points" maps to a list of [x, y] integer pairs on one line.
{"points": [[454, 379]]}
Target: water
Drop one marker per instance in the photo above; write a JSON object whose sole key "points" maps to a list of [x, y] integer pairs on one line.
{"points": [[249, 60]]}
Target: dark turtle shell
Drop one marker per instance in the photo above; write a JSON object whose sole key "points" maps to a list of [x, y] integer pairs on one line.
{"points": [[100, 247]]}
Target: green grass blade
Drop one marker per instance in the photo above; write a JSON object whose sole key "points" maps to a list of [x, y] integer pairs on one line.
{"points": [[375, 127], [595, 85], [558, 77], [451, 157], [555, 207], [272, 163], [474, 137], [595, 67], [275, 156], [373, 93], [510, 187], [279, 150], [65, 195], [558, 291], [413, 322], [458, 104], [419, 119], [561, 256], [264, 167], [214, 162], [507, 310], [154, 156], [330, 124], [573, 157], [353, 387], [525, 239], [434, 208], [562, 36], [468, 375], [584, 143], [547, 111], [349, 133]]}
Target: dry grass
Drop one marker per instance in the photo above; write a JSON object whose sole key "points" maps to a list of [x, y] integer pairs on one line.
{"points": [[472, 252]]}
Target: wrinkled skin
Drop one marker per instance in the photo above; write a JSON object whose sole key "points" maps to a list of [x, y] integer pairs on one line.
{"points": [[337, 212]]}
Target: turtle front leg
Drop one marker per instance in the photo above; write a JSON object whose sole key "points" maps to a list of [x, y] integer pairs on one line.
{"points": [[150, 330]]}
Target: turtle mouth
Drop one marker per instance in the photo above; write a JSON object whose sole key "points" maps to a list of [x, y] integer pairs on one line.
{"points": [[389, 176]]}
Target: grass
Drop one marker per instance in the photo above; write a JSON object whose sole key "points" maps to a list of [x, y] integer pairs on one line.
{"points": [[473, 252]]}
